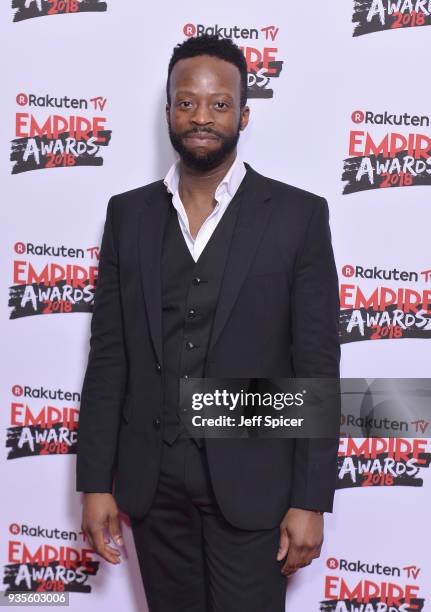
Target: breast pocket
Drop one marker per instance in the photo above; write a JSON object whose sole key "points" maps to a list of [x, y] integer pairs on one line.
{"points": [[266, 267], [265, 280], [258, 275]]}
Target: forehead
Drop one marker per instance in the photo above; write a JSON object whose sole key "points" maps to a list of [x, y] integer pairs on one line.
{"points": [[206, 73]]}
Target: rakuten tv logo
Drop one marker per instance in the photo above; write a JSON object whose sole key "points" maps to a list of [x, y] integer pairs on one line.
{"points": [[37, 429], [73, 136], [52, 279], [49, 566], [381, 158], [263, 64], [384, 304], [378, 15], [27, 9], [382, 589]]}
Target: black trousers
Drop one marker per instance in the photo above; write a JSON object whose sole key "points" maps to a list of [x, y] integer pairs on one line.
{"points": [[193, 560]]}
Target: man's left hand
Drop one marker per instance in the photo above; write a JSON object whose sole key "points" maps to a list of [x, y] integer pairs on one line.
{"points": [[301, 538]]}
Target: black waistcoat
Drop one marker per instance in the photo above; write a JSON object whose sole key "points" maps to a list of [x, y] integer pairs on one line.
{"points": [[189, 297]]}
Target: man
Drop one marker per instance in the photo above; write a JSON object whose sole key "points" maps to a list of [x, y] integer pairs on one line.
{"points": [[215, 271]]}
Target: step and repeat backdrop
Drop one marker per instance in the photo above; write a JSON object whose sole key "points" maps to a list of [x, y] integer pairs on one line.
{"points": [[340, 105]]}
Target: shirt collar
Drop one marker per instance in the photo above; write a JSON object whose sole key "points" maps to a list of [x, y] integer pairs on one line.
{"points": [[230, 182]]}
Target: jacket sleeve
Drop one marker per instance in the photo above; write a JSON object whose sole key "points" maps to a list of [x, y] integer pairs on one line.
{"points": [[105, 376], [315, 354]]}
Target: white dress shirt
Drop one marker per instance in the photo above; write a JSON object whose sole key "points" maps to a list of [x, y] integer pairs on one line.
{"points": [[225, 191]]}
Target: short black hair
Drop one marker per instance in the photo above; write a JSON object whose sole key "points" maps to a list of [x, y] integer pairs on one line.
{"points": [[211, 44]]}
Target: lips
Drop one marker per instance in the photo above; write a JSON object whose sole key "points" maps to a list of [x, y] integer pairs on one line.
{"points": [[201, 136]]}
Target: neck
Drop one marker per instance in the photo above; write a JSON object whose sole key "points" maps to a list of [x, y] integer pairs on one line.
{"points": [[197, 185]]}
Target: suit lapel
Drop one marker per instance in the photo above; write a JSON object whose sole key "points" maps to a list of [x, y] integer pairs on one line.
{"points": [[151, 226], [251, 222], [252, 218]]}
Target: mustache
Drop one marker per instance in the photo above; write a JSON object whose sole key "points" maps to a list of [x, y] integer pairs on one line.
{"points": [[201, 131]]}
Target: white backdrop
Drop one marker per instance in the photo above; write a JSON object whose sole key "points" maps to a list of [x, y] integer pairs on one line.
{"points": [[110, 60]]}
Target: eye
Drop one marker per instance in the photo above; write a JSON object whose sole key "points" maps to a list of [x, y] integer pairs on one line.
{"points": [[184, 103], [222, 104]]}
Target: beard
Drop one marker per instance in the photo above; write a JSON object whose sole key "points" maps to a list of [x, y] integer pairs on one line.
{"points": [[204, 161]]}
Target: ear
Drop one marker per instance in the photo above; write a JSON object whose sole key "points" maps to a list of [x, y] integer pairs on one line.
{"points": [[245, 116], [167, 111]]}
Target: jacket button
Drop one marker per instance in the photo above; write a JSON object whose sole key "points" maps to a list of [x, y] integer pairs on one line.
{"points": [[196, 280], [189, 345], [157, 423], [158, 367], [191, 313]]}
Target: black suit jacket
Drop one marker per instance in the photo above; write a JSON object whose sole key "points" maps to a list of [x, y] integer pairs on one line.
{"points": [[277, 316]]}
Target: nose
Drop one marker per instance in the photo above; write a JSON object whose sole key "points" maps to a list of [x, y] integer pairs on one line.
{"points": [[202, 115]]}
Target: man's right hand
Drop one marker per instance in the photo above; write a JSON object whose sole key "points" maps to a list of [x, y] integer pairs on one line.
{"points": [[100, 513]]}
